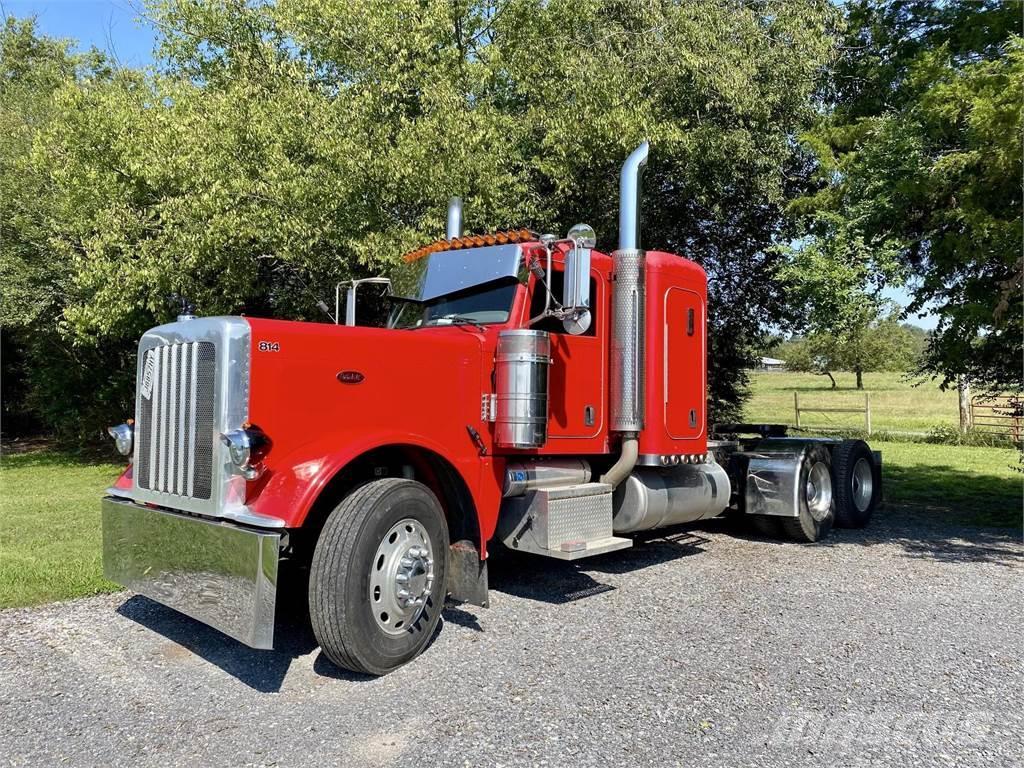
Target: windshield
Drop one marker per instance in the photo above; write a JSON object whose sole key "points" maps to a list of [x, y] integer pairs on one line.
{"points": [[483, 304]]}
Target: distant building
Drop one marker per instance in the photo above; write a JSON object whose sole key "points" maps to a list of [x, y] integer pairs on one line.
{"points": [[771, 364]]}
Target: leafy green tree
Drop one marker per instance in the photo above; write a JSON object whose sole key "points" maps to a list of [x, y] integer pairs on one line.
{"points": [[882, 344], [44, 376], [31, 69], [920, 155], [280, 147], [834, 281]]}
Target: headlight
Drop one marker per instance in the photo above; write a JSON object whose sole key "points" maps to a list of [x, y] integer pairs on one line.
{"points": [[124, 436], [246, 449]]}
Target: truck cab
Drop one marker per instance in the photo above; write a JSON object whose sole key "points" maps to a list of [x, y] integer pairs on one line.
{"points": [[527, 391]]}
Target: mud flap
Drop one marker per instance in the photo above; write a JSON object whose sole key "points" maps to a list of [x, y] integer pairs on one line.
{"points": [[467, 574]]}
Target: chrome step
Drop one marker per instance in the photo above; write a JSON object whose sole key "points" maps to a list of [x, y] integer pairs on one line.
{"points": [[566, 523]]}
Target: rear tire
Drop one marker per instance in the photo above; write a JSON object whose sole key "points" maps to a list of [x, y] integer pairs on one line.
{"points": [[815, 499], [765, 525], [857, 486], [386, 539]]}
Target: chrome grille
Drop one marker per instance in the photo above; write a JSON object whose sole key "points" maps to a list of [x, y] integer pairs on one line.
{"points": [[175, 429]]}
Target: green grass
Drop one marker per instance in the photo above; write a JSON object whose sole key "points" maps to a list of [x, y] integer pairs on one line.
{"points": [[896, 404], [957, 484], [50, 543]]}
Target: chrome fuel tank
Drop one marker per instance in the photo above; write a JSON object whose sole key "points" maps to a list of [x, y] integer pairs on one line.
{"points": [[522, 366]]}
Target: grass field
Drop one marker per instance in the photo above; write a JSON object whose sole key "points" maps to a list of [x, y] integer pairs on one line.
{"points": [[50, 519], [896, 404], [976, 485], [958, 484], [50, 527]]}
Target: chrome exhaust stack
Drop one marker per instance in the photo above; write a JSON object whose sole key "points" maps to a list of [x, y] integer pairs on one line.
{"points": [[627, 342], [628, 327], [629, 198], [454, 227]]}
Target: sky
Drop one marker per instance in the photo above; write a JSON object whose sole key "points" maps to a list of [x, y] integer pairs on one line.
{"points": [[927, 321], [115, 26], [110, 25]]}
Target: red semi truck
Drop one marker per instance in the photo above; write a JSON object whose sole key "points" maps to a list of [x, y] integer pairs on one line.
{"points": [[530, 391]]}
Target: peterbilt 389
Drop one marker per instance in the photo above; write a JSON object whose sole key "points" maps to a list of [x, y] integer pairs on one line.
{"points": [[528, 392]]}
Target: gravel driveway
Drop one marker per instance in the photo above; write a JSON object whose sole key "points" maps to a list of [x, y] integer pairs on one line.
{"points": [[898, 645]]}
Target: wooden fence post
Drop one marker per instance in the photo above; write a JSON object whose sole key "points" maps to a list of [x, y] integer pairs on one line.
{"points": [[867, 412], [796, 407], [963, 391]]}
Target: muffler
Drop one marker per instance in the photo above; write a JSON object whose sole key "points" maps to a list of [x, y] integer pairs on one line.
{"points": [[627, 342], [654, 498]]}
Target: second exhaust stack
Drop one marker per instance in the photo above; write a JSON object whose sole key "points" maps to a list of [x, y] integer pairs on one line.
{"points": [[627, 342], [453, 228]]}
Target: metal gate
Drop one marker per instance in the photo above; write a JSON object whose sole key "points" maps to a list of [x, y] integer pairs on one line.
{"points": [[999, 415]]}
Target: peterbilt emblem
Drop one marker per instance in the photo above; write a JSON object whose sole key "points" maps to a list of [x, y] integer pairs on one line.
{"points": [[350, 377], [147, 375]]}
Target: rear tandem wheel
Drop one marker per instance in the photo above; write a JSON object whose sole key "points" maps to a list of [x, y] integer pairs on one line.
{"points": [[857, 485], [816, 503]]}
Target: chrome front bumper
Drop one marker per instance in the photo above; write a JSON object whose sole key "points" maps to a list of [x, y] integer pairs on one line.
{"points": [[217, 573]]}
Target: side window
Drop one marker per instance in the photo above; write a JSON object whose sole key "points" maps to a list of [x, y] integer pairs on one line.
{"points": [[553, 324]]}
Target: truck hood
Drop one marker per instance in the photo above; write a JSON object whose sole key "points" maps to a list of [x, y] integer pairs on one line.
{"points": [[308, 380]]}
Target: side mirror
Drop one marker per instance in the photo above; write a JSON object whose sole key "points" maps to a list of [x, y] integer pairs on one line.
{"points": [[576, 289]]}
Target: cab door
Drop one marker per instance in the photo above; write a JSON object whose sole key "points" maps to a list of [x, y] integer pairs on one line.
{"points": [[685, 318], [578, 385]]}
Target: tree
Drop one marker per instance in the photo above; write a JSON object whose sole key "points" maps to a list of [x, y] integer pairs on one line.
{"points": [[43, 375], [834, 281], [920, 155], [807, 355], [880, 344], [293, 144]]}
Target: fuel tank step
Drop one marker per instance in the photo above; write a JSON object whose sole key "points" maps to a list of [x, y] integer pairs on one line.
{"points": [[566, 523]]}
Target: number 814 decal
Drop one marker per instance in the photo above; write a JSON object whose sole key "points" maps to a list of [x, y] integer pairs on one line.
{"points": [[269, 346]]}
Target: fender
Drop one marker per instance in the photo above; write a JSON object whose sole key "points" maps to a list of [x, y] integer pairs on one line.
{"points": [[294, 481]]}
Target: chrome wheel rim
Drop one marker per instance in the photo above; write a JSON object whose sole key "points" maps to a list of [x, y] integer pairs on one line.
{"points": [[863, 484], [818, 491], [401, 576]]}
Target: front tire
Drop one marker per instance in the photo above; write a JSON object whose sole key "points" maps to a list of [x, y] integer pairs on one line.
{"points": [[377, 580]]}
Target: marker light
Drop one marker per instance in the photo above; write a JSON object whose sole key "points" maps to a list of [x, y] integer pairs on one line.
{"points": [[124, 437], [471, 241]]}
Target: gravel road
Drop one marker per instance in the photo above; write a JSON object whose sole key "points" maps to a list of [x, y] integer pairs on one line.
{"points": [[898, 645]]}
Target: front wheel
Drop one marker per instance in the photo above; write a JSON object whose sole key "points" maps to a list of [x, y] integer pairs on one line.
{"points": [[377, 580]]}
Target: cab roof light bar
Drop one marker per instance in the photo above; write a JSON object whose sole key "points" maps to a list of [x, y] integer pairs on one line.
{"points": [[472, 241]]}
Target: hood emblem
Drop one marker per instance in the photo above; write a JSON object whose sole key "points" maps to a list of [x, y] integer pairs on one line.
{"points": [[350, 377]]}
